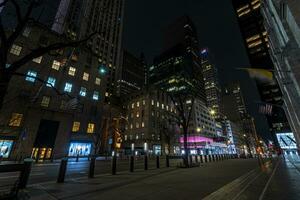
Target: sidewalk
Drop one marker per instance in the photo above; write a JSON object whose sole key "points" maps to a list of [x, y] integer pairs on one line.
{"points": [[167, 183]]}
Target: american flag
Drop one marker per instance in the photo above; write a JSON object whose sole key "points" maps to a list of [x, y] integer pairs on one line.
{"points": [[266, 109]]}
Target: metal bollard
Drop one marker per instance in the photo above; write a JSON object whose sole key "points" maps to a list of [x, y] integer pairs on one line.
{"points": [[191, 160], [145, 162], [62, 170], [201, 158], [131, 164], [25, 173], [167, 161], [92, 167], [114, 165], [77, 158], [209, 158], [196, 158], [157, 162], [205, 158]]}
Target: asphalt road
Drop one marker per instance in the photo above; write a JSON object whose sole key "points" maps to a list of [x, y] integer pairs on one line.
{"points": [[236, 179]]}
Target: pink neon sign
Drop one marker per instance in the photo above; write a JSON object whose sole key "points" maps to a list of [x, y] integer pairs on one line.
{"points": [[197, 139]]}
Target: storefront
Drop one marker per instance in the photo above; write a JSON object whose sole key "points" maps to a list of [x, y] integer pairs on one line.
{"points": [[287, 142], [5, 148], [80, 148]]}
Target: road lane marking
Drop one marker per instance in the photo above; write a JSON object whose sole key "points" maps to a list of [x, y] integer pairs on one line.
{"points": [[269, 181], [230, 187], [247, 185]]}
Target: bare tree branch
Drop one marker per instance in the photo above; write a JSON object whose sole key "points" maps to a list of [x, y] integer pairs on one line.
{"points": [[43, 50]]}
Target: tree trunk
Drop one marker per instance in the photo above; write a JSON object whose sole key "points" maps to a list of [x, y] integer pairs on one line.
{"points": [[185, 146]]}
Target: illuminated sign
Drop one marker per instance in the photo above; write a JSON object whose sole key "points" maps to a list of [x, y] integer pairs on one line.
{"points": [[80, 148], [286, 140], [197, 139], [5, 148]]}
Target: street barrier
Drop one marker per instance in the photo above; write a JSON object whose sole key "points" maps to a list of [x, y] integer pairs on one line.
{"points": [[167, 161], [145, 162], [157, 162], [22, 180], [114, 165], [62, 170], [131, 165], [92, 167]]}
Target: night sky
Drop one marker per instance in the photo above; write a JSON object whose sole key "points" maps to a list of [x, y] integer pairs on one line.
{"points": [[217, 28]]}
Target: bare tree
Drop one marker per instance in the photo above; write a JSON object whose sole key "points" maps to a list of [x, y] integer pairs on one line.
{"points": [[184, 103], [8, 38]]}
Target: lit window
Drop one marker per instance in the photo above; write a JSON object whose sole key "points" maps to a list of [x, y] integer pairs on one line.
{"points": [[45, 101], [72, 71], [68, 87], [144, 102], [137, 125], [106, 94], [26, 32], [152, 102], [143, 124], [157, 104], [76, 126], [162, 106], [90, 128], [38, 59], [96, 95], [132, 105], [137, 114], [56, 65], [31, 75], [125, 137], [138, 104], [167, 107], [16, 119], [97, 81], [85, 76], [82, 91], [16, 49], [131, 126], [50, 82]]}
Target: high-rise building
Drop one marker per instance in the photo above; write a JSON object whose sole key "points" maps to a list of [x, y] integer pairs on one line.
{"points": [[211, 81], [256, 41], [56, 108], [82, 18], [78, 19], [282, 22], [132, 74], [234, 106], [235, 110], [151, 120], [176, 68]]}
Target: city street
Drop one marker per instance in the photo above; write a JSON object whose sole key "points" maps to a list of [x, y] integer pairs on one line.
{"points": [[229, 179], [48, 172]]}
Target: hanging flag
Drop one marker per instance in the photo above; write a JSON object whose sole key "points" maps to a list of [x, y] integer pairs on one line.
{"points": [[72, 104], [266, 109], [262, 75]]}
